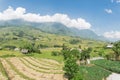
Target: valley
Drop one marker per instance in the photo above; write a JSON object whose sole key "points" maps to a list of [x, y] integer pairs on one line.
{"points": [[30, 53], [59, 40]]}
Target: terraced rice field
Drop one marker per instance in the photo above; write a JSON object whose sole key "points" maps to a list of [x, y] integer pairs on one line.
{"points": [[29, 68]]}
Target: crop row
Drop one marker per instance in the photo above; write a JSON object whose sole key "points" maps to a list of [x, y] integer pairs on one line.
{"points": [[113, 66], [27, 68], [3, 74], [93, 72]]}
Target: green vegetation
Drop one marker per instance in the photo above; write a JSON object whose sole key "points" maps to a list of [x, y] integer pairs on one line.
{"points": [[73, 51], [71, 68], [16, 37], [92, 72], [55, 53], [45, 53], [85, 55], [116, 50], [74, 41], [10, 53], [86, 71], [113, 66]]}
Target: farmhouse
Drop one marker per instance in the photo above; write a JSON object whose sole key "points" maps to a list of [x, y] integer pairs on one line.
{"points": [[24, 51], [109, 46]]}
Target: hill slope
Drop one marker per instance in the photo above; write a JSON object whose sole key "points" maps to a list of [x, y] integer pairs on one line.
{"points": [[18, 35], [55, 28]]}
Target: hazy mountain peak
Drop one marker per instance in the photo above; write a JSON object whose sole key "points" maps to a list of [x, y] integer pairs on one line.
{"points": [[54, 28]]}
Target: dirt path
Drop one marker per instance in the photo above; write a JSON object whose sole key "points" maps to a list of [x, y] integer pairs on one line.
{"points": [[113, 76]]}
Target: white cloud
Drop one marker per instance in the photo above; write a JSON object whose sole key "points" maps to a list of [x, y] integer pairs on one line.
{"points": [[112, 34], [109, 11], [20, 13], [117, 1]]}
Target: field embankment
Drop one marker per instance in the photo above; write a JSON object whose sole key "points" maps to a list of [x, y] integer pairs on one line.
{"points": [[29, 68]]}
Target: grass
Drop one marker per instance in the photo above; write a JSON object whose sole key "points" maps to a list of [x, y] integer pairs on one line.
{"points": [[113, 66], [46, 53], [93, 72], [49, 56], [10, 53]]}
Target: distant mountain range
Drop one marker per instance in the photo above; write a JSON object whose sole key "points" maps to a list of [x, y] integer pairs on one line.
{"points": [[55, 28]]}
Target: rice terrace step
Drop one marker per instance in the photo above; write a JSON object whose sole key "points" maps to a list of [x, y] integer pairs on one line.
{"points": [[29, 68]]}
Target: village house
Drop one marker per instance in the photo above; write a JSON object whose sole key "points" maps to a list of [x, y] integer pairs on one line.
{"points": [[109, 45], [24, 51]]}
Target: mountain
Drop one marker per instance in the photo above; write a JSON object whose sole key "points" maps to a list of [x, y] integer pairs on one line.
{"points": [[85, 33], [58, 28], [55, 28]]}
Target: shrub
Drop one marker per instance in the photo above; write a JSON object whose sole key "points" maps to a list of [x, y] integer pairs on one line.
{"points": [[71, 67], [7, 55], [43, 46], [31, 47], [74, 41], [55, 53], [57, 46], [10, 47]]}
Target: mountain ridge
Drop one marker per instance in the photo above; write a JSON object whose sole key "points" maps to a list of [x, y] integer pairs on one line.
{"points": [[55, 28]]}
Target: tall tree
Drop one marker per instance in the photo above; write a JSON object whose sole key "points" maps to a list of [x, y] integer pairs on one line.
{"points": [[85, 55], [71, 68], [116, 49], [64, 47]]}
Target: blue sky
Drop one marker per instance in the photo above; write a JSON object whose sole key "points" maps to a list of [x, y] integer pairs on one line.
{"points": [[103, 15]]}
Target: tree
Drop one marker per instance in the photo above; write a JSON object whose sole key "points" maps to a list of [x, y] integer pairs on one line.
{"points": [[74, 52], [64, 47], [85, 55], [80, 47], [31, 47], [101, 52], [71, 68], [74, 41], [66, 53], [116, 49], [108, 56], [78, 76]]}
